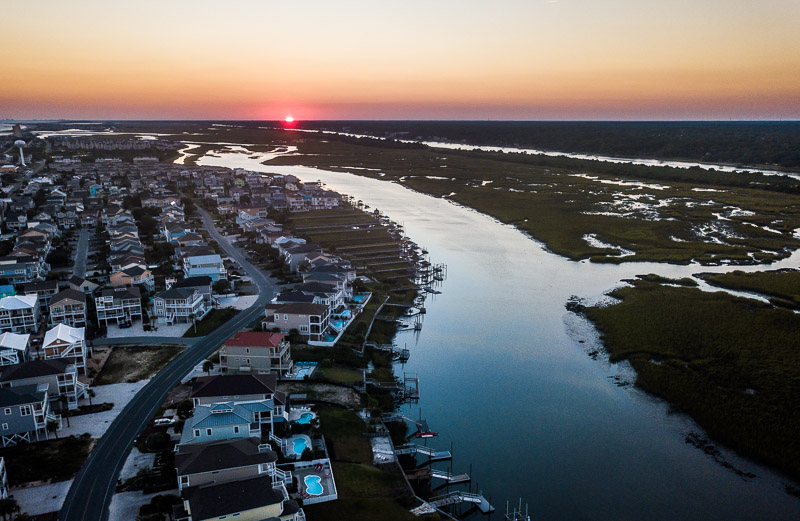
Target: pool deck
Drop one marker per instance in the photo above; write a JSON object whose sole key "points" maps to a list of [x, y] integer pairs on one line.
{"points": [[289, 452], [309, 468]]}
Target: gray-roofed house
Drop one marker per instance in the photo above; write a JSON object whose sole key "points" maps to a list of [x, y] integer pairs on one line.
{"points": [[179, 305], [311, 320], [253, 499], [201, 283], [119, 305], [80, 284], [60, 376], [68, 306], [45, 289], [229, 460], [25, 413]]}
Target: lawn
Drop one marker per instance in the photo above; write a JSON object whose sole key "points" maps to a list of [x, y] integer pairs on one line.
{"points": [[55, 459], [214, 319], [365, 491], [134, 363], [733, 364], [344, 431], [339, 375]]}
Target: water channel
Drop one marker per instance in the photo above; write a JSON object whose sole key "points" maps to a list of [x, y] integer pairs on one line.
{"points": [[505, 375]]}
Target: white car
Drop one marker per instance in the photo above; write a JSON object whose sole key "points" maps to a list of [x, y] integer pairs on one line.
{"points": [[163, 421]]}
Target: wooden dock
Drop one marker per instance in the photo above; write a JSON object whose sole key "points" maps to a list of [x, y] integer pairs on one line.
{"points": [[454, 498]]}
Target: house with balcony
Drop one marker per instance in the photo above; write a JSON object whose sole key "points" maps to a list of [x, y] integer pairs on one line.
{"points": [[200, 284], [257, 353], [14, 348], [222, 421], [68, 343], [44, 289], [230, 460], [19, 314], [59, 376], [25, 413], [68, 306], [119, 306], [133, 276], [310, 320], [241, 388], [250, 499], [21, 269], [179, 305], [210, 265]]}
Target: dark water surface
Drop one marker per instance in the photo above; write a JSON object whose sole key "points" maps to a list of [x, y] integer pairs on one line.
{"points": [[504, 377]]}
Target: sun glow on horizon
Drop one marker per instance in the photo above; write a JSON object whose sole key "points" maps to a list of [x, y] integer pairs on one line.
{"points": [[289, 119]]}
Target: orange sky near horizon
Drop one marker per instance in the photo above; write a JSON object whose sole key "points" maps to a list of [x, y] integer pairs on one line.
{"points": [[535, 59]]}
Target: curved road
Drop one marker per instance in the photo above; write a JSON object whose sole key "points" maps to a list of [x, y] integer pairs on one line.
{"points": [[91, 491]]}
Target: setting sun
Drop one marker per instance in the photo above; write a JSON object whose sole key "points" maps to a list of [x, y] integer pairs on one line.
{"points": [[289, 119]]}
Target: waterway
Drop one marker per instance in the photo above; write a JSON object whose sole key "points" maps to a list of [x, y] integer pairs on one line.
{"points": [[505, 375]]}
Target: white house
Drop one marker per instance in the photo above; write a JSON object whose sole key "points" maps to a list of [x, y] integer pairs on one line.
{"points": [[66, 342], [13, 348], [19, 313]]}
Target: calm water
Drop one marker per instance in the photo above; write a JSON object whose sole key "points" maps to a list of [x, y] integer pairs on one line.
{"points": [[503, 376]]}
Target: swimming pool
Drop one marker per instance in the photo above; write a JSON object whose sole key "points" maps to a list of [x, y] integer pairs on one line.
{"points": [[299, 445], [305, 418], [358, 298], [313, 485]]}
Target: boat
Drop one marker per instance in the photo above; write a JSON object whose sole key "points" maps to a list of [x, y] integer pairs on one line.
{"points": [[426, 434]]}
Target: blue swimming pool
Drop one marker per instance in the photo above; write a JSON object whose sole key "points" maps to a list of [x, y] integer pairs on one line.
{"points": [[305, 418], [313, 485], [358, 298], [299, 445], [337, 324]]}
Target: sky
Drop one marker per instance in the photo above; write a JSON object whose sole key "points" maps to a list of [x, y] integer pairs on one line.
{"points": [[391, 59]]}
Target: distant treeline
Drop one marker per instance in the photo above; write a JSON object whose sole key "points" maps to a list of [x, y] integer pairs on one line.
{"points": [[742, 143]]}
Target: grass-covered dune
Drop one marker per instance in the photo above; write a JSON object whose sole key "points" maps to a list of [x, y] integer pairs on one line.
{"points": [[733, 364]]}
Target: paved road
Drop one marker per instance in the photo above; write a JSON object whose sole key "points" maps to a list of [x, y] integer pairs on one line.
{"points": [[79, 267], [91, 491]]}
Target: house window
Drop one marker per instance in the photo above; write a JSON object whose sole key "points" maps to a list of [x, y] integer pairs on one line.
{"points": [[247, 350], [25, 410], [184, 480], [208, 432], [5, 426], [236, 429], [7, 411], [277, 317], [197, 433], [286, 317]]}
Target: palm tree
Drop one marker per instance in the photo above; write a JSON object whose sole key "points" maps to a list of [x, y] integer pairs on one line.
{"points": [[208, 365], [52, 426], [91, 395]]}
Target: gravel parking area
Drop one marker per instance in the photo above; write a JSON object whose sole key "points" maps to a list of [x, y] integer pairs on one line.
{"points": [[42, 499], [97, 424], [137, 329], [125, 505]]}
